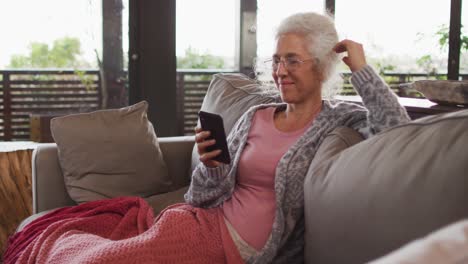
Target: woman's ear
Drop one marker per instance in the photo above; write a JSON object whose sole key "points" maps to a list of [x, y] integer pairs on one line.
{"points": [[318, 69]]}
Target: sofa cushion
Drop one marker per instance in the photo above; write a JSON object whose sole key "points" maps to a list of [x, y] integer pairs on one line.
{"points": [[110, 153], [334, 143], [231, 95], [388, 190]]}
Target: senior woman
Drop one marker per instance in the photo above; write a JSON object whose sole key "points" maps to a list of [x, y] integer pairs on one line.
{"points": [[260, 194]]}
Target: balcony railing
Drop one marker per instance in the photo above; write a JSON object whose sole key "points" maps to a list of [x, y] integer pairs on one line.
{"points": [[27, 92], [399, 82]]}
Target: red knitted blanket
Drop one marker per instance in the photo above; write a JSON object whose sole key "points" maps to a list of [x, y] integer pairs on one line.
{"points": [[124, 230]]}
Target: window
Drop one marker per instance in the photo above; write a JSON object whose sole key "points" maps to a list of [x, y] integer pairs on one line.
{"points": [[398, 35], [205, 34], [125, 32], [464, 44], [31, 26]]}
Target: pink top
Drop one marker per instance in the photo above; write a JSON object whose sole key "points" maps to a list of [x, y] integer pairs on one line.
{"points": [[251, 209]]}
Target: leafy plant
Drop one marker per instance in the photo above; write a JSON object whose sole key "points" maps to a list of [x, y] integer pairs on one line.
{"points": [[86, 79], [443, 35], [427, 62]]}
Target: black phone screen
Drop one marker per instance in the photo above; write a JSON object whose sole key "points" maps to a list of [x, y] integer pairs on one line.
{"points": [[214, 123]]}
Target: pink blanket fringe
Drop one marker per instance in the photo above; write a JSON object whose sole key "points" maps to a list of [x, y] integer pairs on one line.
{"points": [[124, 230]]}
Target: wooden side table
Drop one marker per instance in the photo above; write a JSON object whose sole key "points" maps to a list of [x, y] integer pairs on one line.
{"points": [[415, 107], [15, 187]]}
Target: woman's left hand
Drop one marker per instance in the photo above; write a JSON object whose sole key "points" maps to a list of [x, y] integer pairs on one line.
{"points": [[356, 59]]}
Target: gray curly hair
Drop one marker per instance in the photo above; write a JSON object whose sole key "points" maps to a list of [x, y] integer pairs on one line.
{"points": [[319, 30]]}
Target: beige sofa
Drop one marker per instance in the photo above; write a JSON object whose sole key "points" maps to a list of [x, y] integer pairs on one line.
{"points": [[363, 199], [360, 203]]}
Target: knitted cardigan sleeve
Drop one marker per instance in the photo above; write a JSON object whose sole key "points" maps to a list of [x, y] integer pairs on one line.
{"points": [[207, 185], [384, 110]]}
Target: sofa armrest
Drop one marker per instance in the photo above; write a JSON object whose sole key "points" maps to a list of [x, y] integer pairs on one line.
{"points": [[48, 186], [177, 153]]}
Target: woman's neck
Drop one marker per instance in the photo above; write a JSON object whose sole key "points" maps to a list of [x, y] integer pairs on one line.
{"points": [[296, 116]]}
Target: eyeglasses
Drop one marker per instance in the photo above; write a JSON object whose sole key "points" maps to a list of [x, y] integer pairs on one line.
{"points": [[289, 63]]}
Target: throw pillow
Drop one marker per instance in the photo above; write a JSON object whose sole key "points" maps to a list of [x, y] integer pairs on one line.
{"points": [[231, 95], [110, 153]]}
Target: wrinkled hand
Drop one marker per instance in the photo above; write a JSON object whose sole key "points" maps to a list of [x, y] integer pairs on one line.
{"points": [[205, 156], [355, 58]]}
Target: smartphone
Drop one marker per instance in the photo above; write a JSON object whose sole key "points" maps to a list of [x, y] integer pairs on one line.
{"points": [[214, 123]]}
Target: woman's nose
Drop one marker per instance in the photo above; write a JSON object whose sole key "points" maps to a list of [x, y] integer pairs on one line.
{"points": [[281, 70]]}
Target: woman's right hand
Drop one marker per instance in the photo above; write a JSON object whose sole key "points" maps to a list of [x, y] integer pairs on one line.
{"points": [[355, 58], [206, 156]]}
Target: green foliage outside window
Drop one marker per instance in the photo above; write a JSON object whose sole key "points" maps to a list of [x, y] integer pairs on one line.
{"points": [[443, 34], [427, 63], [64, 53], [194, 60]]}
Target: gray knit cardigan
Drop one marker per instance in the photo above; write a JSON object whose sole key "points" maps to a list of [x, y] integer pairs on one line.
{"points": [[210, 187]]}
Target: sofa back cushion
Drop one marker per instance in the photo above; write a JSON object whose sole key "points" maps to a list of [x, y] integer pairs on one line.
{"points": [[399, 185], [110, 153], [231, 95]]}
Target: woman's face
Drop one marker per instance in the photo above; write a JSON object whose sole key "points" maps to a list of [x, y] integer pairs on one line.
{"points": [[296, 74]]}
